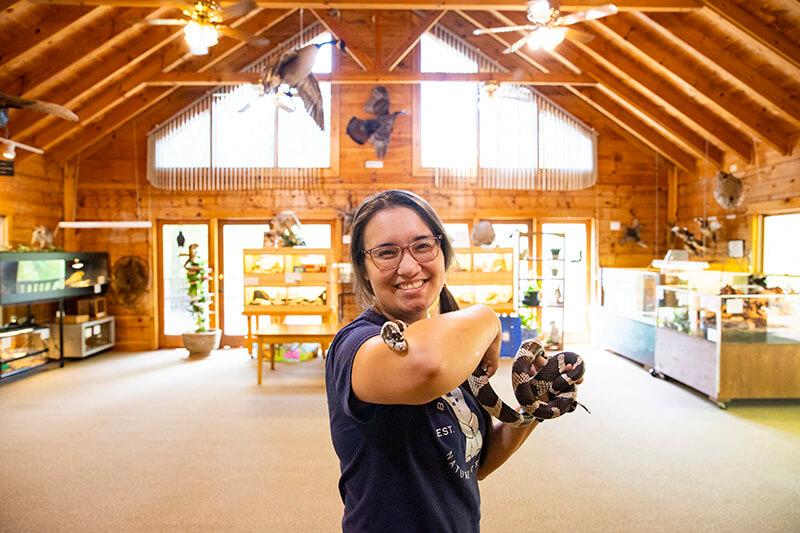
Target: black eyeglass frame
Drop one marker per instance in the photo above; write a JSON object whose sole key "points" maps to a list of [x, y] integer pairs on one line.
{"points": [[437, 238]]}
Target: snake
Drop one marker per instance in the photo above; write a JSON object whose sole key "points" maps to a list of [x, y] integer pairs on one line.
{"points": [[548, 394]]}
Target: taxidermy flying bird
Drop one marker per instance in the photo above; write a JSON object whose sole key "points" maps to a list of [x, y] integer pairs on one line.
{"points": [[12, 102], [692, 243], [728, 190], [375, 131], [293, 68], [708, 228], [632, 234]]}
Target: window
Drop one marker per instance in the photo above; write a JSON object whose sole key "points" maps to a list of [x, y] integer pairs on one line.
{"points": [[177, 316], [510, 137], [235, 137], [780, 259]]}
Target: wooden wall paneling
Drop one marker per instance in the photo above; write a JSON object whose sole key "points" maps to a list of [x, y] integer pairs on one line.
{"points": [[33, 196]]}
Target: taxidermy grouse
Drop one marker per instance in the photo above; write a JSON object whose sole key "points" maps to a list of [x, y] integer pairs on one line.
{"points": [[293, 68], [375, 131], [9, 102]]}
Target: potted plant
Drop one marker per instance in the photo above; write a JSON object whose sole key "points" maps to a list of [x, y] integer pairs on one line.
{"points": [[554, 252], [531, 298], [201, 341]]}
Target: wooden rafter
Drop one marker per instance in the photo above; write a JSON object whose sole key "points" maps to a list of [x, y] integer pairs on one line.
{"points": [[636, 127], [752, 26], [612, 57], [388, 78], [338, 29], [425, 5], [414, 35], [709, 47], [49, 23], [774, 132]]}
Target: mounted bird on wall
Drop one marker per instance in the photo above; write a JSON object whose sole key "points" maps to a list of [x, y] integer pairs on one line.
{"points": [[12, 102], [728, 190], [378, 130], [293, 68], [692, 243], [632, 234], [708, 228]]}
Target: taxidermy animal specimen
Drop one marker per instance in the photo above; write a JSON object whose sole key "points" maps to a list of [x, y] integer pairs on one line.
{"points": [[708, 228], [375, 131], [287, 226], [728, 190], [12, 102], [482, 234], [692, 243], [632, 234], [293, 68]]}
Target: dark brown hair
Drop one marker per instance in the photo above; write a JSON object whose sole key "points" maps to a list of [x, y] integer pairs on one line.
{"points": [[390, 199]]}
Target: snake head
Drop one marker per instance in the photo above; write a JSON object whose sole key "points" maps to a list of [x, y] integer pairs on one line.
{"points": [[392, 335]]}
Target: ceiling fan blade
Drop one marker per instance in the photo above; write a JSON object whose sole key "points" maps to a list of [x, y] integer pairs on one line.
{"points": [[517, 45], [249, 38], [579, 36], [593, 13], [160, 22], [504, 29], [238, 9]]}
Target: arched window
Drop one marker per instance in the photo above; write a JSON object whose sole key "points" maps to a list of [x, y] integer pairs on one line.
{"points": [[509, 137]]}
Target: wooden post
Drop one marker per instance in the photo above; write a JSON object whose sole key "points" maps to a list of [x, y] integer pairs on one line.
{"points": [[69, 173]]}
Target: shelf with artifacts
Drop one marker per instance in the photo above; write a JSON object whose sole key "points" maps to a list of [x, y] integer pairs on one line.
{"points": [[737, 342], [289, 281], [483, 275]]}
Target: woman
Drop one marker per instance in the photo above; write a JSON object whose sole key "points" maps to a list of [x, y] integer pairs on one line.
{"points": [[411, 438]]}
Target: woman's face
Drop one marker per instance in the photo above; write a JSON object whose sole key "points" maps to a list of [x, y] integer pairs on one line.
{"points": [[407, 291]]}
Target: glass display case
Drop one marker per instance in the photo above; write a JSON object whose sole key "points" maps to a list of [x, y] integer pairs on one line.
{"points": [[626, 319], [742, 341], [40, 276], [23, 349], [483, 275]]}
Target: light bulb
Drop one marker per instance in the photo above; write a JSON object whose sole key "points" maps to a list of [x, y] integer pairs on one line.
{"points": [[10, 151], [552, 37], [200, 37], [539, 11]]}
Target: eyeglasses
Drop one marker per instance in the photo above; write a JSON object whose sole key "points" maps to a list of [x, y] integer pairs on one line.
{"points": [[388, 257]]}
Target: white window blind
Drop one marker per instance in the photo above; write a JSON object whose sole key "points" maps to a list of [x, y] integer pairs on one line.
{"points": [[513, 138], [232, 139]]}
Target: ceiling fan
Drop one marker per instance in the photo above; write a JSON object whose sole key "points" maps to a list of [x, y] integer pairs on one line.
{"points": [[205, 23], [548, 26]]}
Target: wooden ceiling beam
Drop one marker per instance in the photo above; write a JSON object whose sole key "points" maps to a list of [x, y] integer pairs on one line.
{"points": [[119, 95], [5, 4], [415, 33], [773, 132], [206, 79], [424, 5], [42, 25], [90, 41], [621, 90], [753, 27], [709, 47], [611, 56], [636, 127], [335, 26]]}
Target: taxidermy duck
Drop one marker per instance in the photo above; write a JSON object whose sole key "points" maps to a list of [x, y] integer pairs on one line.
{"points": [[293, 68], [728, 190], [375, 131], [12, 102], [708, 228], [632, 234], [692, 243]]}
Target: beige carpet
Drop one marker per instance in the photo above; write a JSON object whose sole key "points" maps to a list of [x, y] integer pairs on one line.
{"points": [[157, 442]]}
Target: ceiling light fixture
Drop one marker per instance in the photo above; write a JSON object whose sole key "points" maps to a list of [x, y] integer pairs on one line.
{"points": [[546, 38], [200, 37], [9, 151], [9, 148], [106, 224]]}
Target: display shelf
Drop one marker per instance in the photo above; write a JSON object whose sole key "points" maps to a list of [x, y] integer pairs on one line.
{"points": [[483, 275], [289, 281], [23, 349], [87, 338]]}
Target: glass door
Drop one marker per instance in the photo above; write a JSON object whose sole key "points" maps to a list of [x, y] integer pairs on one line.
{"points": [[575, 277], [176, 318]]}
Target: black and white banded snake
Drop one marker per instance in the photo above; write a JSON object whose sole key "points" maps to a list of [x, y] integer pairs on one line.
{"points": [[548, 394]]}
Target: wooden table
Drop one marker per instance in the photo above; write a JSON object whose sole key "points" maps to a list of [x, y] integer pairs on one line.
{"points": [[282, 333]]}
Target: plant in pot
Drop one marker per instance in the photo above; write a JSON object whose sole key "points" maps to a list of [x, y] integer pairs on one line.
{"points": [[202, 340], [554, 253]]}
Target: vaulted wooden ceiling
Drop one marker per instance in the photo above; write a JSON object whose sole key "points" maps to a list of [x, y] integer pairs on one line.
{"points": [[694, 80]]}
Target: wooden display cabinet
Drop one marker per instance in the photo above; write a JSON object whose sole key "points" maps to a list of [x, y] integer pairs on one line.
{"points": [[289, 281], [485, 276]]}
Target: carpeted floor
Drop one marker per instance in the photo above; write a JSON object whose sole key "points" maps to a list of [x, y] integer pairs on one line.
{"points": [[158, 442]]}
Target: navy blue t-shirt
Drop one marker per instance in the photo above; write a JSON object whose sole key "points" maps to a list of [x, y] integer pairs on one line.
{"points": [[404, 468]]}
